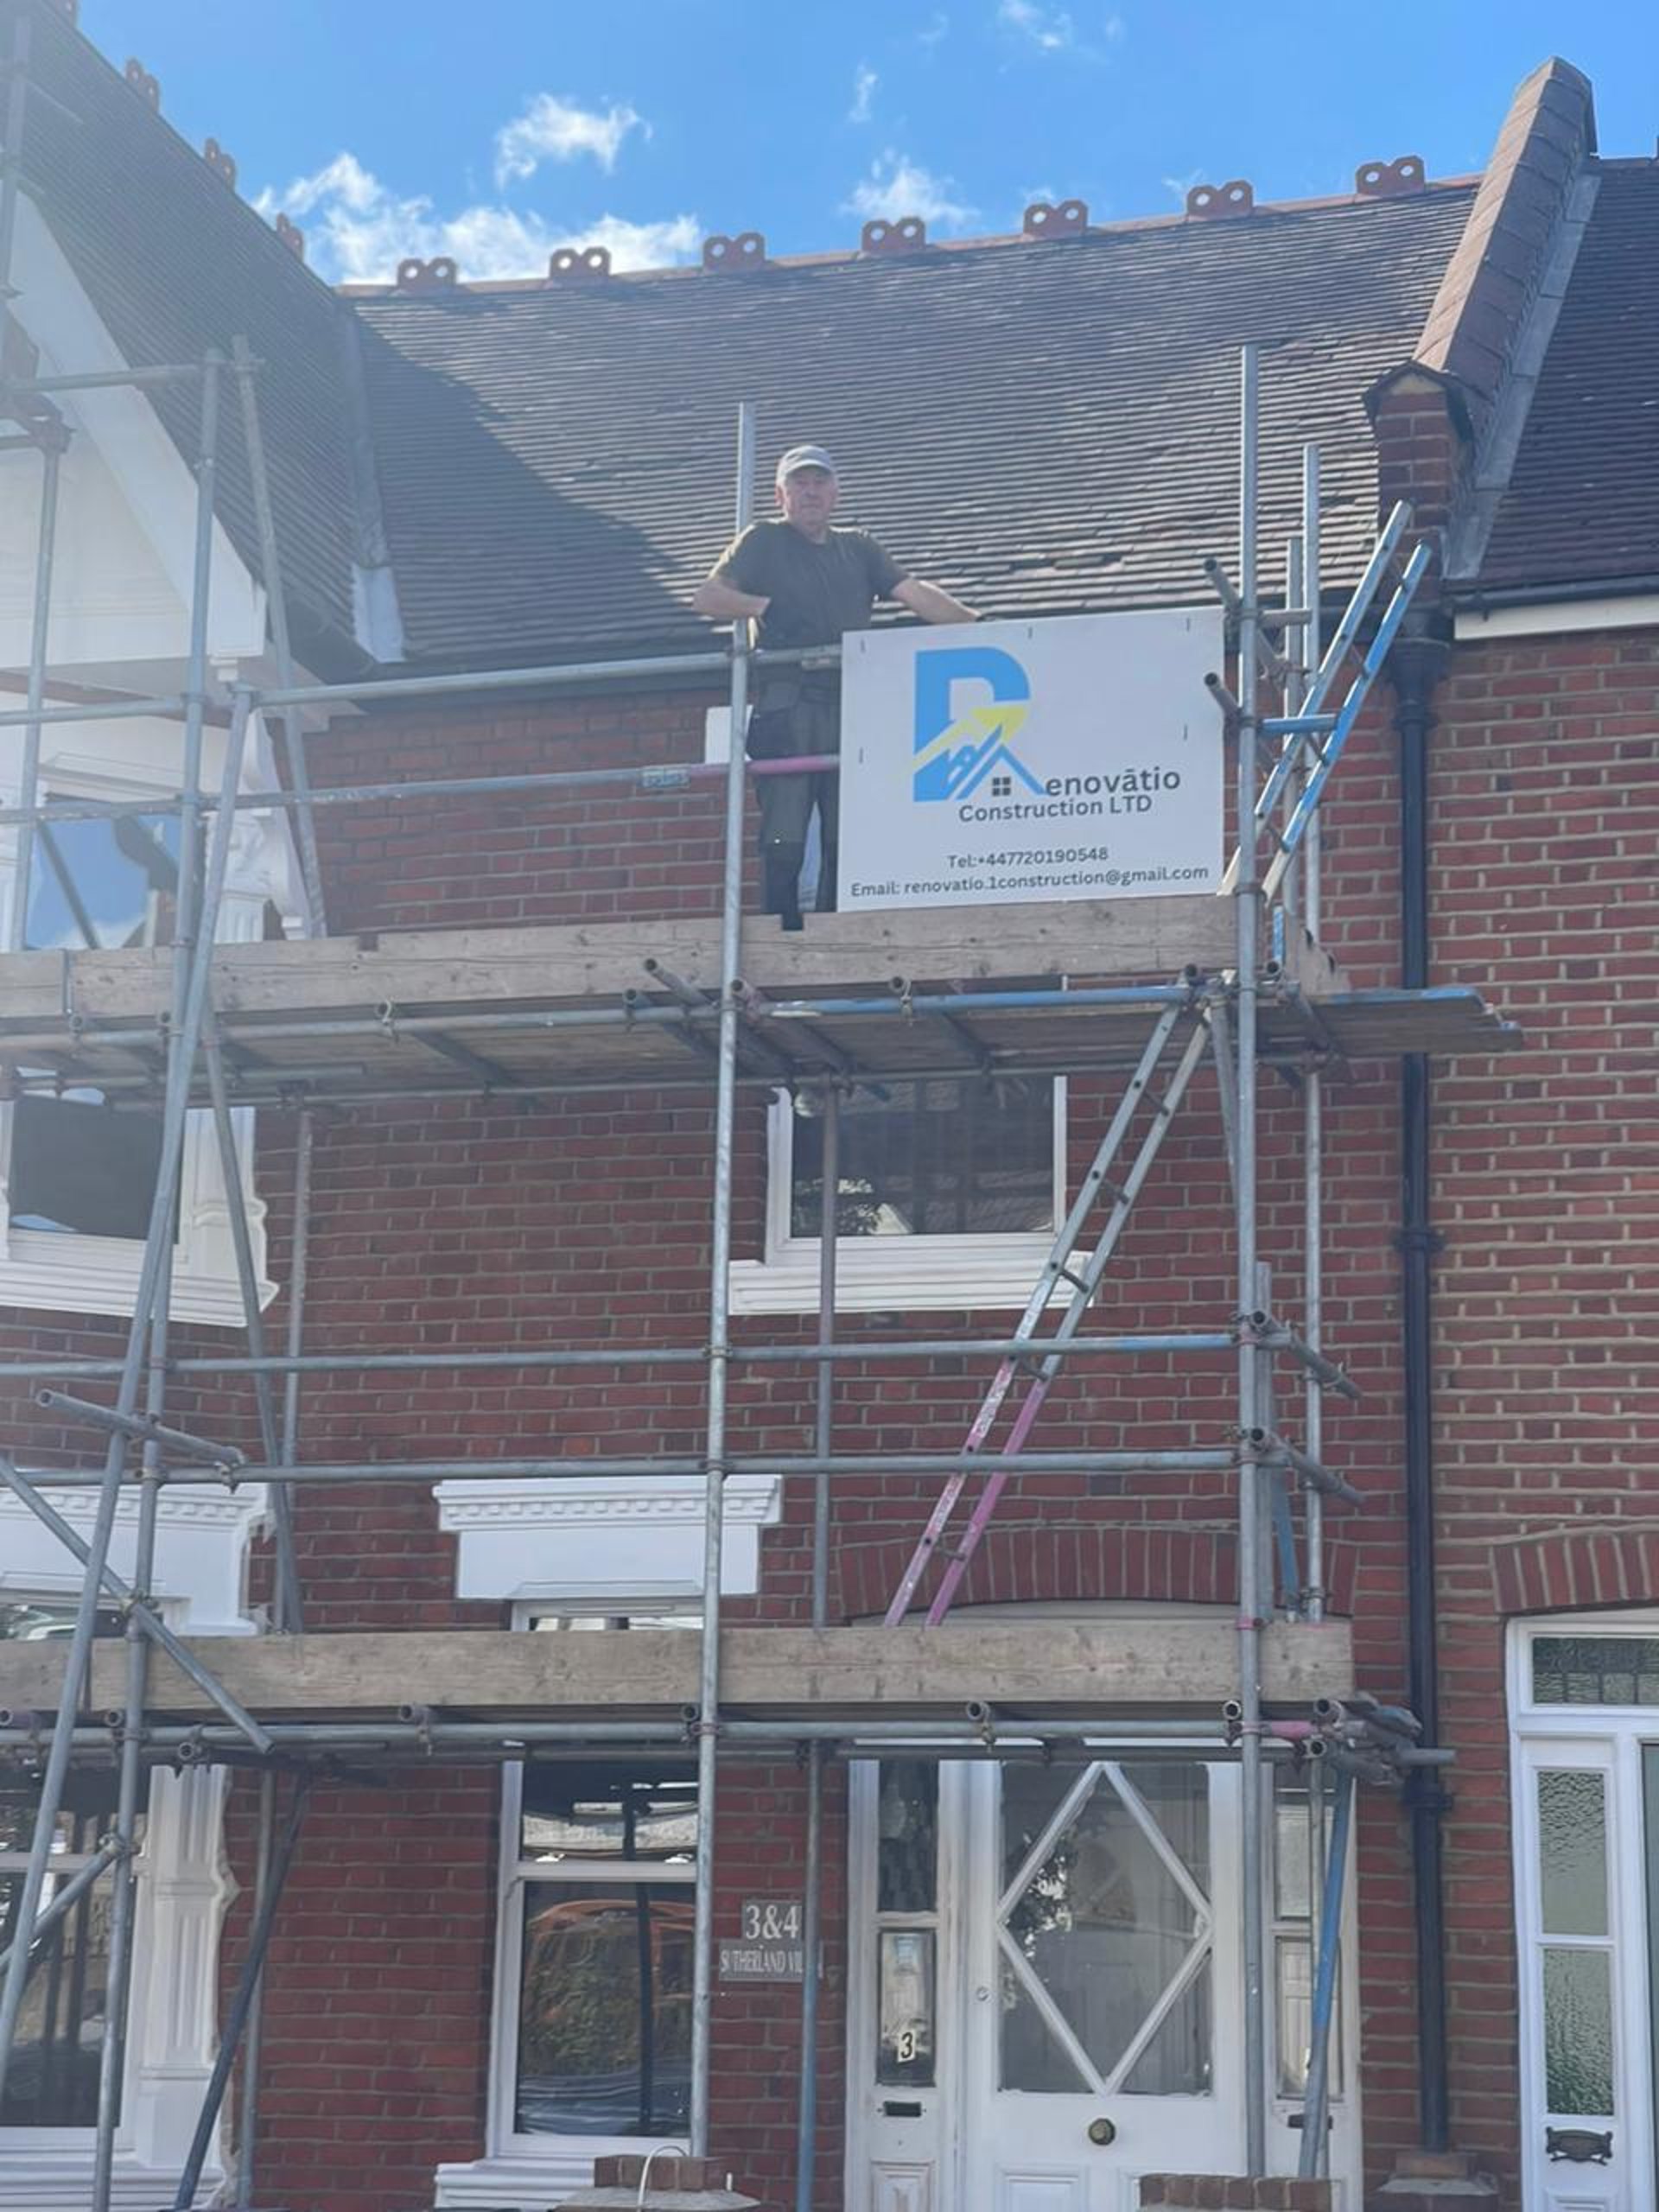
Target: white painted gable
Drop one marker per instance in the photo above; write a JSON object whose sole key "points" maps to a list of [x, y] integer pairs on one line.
{"points": [[122, 570]]}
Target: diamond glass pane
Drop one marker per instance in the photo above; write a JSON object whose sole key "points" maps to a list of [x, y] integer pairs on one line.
{"points": [[1031, 2056], [1103, 1923], [1573, 1852], [1578, 2031]]}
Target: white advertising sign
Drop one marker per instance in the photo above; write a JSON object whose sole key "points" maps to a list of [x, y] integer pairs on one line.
{"points": [[1076, 758]]}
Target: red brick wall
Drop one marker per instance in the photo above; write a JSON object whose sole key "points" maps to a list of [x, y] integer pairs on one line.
{"points": [[587, 1221], [1545, 814]]}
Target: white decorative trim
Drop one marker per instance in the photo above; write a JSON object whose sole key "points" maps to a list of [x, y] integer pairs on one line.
{"points": [[202, 1551], [1561, 619], [604, 1536]]}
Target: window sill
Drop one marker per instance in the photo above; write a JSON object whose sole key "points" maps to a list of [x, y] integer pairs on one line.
{"points": [[528, 2184], [904, 1275], [56, 2176], [99, 1274]]}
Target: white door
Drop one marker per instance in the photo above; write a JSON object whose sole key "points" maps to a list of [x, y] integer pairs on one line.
{"points": [[1586, 1848], [1104, 2044], [1046, 1996]]}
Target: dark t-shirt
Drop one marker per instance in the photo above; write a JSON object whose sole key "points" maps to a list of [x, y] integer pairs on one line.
{"points": [[817, 591]]}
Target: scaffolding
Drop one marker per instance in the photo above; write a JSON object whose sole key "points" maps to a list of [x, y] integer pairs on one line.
{"points": [[1245, 1011]]}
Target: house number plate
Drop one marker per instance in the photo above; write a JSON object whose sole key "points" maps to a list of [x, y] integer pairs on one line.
{"points": [[770, 1945]]}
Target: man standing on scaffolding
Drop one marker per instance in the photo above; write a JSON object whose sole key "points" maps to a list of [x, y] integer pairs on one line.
{"points": [[805, 584]]}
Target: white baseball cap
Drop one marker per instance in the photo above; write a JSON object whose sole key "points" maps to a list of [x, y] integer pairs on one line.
{"points": [[804, 457]]}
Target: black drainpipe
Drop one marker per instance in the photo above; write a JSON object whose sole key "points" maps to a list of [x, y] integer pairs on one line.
{"points": [[1415, 669]]}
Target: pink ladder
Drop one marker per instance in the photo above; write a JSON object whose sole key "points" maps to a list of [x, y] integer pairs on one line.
{"points": [[1040, 1363]]}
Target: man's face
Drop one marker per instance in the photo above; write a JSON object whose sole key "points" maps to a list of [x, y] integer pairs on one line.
{"points": [[807, 496]]}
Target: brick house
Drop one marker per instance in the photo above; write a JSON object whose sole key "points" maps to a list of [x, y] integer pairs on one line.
{"points": [[467, 1997]]}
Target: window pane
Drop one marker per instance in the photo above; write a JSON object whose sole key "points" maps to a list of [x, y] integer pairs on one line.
{"points": [[642, 1810], [605, 2010], [907, 1826], [1595, 1670], [940, 1159], [1573, 1852], [79, 1164], [1030, 2056], [1104, 1924], [906, 1979], [1578, 2031], [53, 2078], [112, 884]]}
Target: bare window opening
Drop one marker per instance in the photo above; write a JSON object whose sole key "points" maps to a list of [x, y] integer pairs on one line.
{"points": [[81, 1164], [938, 1158]]}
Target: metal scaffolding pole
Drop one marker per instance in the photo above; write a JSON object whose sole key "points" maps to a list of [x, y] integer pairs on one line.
{"points": [[1313, 1081], [196, 914], [822, 1444], [276, 609], [39, 629], [1247, 909], [157, 1248], [703, 1988]]}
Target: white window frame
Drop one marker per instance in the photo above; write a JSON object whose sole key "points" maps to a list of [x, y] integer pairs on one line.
{"points": [[914, 1273], [917, 1273], [531, 2172], [1605, 1740], [67, 1271]]}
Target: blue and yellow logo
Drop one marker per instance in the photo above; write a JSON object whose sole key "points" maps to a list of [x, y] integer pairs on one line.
{"points": [[956, 752]]}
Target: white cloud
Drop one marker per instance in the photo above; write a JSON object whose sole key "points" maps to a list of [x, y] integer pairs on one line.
{"points": [[359, 229], [555, 129], [864, 84], [1051, 30], [1180, 186], [897, 187], [935, 30]]}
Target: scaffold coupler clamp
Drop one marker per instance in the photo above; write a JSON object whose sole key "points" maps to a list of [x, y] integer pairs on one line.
{"points": [[386, 1015], [983, 1717], [905, 991], [192, 1750], [419, 1718], [692, 1721]]}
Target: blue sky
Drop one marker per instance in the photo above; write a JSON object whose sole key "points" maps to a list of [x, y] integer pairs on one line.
{"points": [[497, 132]]}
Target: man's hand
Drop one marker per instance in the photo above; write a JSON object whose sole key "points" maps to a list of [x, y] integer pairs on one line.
{"points": [[723, 603], [933, 604]]}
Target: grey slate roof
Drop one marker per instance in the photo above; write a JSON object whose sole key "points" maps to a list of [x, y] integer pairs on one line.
{"points": [[1042, 427], [175, 262], [1582, 505]]}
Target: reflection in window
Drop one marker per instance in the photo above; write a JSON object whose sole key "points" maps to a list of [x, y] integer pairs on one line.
{"points": [[907, 1828], [934, 1159], [604, 1999], [79, 1162], [605, 2010]]}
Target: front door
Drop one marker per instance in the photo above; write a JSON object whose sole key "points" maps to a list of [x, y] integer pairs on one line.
{"points": [[1586, 1822], [1105, 2043], [1047, 1995]]}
